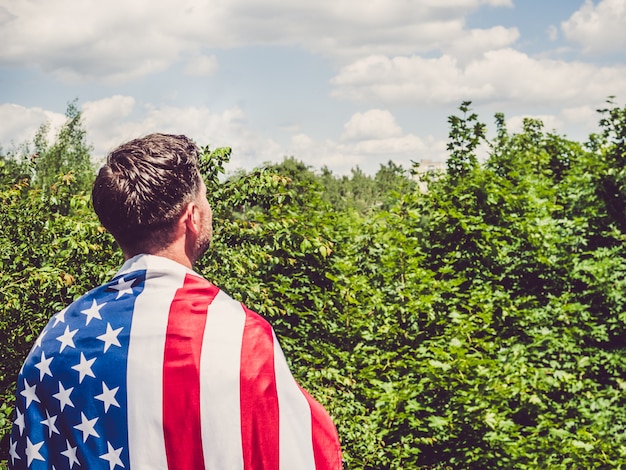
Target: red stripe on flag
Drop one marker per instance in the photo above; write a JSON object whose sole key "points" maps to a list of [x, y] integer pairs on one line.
{"points": [[326, 448], [181, 373], [259, 398]]}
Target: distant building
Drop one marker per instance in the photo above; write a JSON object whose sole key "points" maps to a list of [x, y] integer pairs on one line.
{"points": [[428, 166]]}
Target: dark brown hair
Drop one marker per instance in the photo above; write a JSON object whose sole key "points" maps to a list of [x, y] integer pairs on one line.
{"points": [[144, 187]]}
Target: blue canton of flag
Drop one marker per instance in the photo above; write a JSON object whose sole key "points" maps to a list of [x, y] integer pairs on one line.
{"points": [[71, 399]]}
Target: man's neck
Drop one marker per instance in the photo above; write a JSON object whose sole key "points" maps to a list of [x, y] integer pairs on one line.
{"points": [[170, 252]]}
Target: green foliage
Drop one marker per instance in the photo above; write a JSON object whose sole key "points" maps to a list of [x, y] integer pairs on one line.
{"points": [[466, 134], [12, 170], [52, 249], [479, 324], [68, 155], [358, 191]]}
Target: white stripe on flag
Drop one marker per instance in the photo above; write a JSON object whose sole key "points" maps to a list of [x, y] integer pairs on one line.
{"points": [[295, 428], [145, 371], [219, 384]]}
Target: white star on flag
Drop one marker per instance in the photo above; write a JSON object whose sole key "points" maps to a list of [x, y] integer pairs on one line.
{"points": [[110, 337], [66, 338], [32, 451], [13, 452], [39, 338], [44, 366], [84, 367], [93, 311], [59, 317], [50, 421], [64, 396], [108, 397], [19, 421], [87, 427], [29, 393], [113, 456], [70, 453], [123, 287]]}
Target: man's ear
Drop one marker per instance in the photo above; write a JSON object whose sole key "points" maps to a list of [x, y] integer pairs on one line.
{"points": [[191, 218]]}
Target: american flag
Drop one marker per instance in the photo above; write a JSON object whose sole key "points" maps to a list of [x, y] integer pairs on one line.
{"points": [[160, 369]]}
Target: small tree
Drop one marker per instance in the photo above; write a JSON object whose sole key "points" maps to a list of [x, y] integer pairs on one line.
{"points": [[69, 154], [466, 134]]}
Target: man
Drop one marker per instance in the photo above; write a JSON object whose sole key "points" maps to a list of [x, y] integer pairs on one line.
{"points": [[159, 369]]}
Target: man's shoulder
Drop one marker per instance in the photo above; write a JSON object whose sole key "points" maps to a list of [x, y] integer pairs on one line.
{"points": [[253, 320]]}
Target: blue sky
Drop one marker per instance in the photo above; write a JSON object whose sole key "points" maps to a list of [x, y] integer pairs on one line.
{"points": [[336, 83]]}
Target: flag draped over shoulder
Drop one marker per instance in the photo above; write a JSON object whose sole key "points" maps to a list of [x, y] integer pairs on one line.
{"points": [[159, 369]]}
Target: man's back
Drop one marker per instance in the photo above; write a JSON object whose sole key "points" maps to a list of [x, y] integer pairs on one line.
{"points": [[161, 369]]}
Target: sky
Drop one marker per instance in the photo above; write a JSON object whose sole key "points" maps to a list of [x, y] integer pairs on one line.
{"points": [[334, 83]]}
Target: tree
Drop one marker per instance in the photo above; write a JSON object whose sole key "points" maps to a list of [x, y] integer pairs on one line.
{"points": [[69, 154], [466, 134]]}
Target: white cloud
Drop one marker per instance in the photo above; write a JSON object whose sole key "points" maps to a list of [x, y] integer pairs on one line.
{"points": [[103, 120], [112, 121], [104, 112], [111, 41], [550, 122], [579, 122], [580, 114], [473, 43], [574, 123], [598, 28], [119, 40], [387, 52], [370, 139], [553, 33], [499, 75], [373, 124], [301, 141], [20, 123], [202, 65]]}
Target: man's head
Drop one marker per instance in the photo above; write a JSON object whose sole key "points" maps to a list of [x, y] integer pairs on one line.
{"points": [[145, 187]]}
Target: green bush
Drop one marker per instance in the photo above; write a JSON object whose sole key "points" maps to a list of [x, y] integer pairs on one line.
{"points": [[479, 324]]}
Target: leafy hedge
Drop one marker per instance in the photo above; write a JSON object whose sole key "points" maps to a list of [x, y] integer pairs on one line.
{"points": [[479, 324]]}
